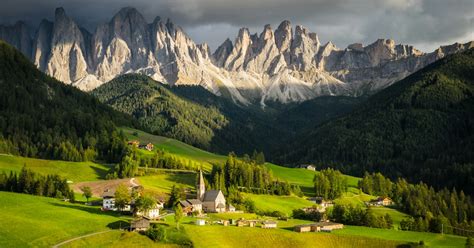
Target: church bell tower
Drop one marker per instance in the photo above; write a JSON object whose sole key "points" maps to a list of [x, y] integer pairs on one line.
{"points": [[201, 187]]}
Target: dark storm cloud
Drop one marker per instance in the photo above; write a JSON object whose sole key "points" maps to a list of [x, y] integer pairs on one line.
{"points": [[424, 23]]}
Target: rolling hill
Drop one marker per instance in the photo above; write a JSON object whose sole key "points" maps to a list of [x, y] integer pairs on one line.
{"points": [[419, 128], [42, 117]]}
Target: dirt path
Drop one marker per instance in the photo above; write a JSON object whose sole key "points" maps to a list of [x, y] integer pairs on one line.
{"points": [[80, 237]]}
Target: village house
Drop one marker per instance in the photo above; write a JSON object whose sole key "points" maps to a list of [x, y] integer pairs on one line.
{"points": [[381, 201], [153, 213], [191, 206], [231, 208], [148, 147], [200, 222], [308, 167], [318, 227], [141, 224], [108, 199], [134, 143], [269, 224]]}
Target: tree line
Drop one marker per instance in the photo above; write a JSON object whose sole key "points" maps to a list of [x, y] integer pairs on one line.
{"points": [[29, 182], [430, 209], [329, 184], [248, 176]]}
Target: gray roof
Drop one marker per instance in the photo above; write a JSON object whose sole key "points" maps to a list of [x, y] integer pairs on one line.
{"points": [[185, 203], [220, 205], [108, 193], [140, 223], [194, 201], [211, 195]]}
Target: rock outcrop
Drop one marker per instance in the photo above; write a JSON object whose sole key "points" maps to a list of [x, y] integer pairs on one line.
{"points": [[281, 65]]}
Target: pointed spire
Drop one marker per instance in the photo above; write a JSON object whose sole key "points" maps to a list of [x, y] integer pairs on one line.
{"points": [[201, 187]]}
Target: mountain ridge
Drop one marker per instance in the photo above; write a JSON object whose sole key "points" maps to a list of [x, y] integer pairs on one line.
{"points": [[419, 128], [276, 65]]}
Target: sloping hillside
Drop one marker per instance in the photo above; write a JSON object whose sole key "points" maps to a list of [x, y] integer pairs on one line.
{"points": [[42, 117], [420, 128]]}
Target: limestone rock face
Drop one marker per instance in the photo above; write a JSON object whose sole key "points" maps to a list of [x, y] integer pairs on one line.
{"points": [[286, 65]]}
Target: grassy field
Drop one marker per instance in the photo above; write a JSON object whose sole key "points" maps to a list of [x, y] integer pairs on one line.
{"points": [[284, 204], [231, 236], [396, 215], [354, 196], [73, 171], [162, 183], [303, 177], [117, 239], [40, 222], [430, 239], [176, 147]]}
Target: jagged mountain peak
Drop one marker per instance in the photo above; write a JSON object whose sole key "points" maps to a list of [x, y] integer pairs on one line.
{"points": [[286, 64]]}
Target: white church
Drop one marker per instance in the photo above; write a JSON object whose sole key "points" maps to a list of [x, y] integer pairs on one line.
{"points": [[211, 201]]}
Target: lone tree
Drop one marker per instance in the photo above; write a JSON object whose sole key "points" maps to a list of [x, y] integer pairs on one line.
{"points": [[122, 197], [145, 203], [86, 192], [178, 215]]}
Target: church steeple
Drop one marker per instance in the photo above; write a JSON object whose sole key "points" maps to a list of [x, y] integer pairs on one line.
{"points": [[201, 187]]}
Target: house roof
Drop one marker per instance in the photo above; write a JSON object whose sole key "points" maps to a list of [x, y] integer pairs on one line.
{"points": [[230, 206], [140, 223], [269, 222], [185, 203], [220, 205], [194, 201], [108, 193], [211, 195]]}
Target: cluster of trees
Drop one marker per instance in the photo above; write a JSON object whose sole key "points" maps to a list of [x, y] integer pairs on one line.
{"points": [[248, 176], [419, 128], [29, 182], [307, 215], [42, 117], [359, 216], [431, 209], [133, 160], [376, 184], [329, 184]]}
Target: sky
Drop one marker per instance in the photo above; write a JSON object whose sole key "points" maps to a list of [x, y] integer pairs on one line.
{"points": [[426, 24]]}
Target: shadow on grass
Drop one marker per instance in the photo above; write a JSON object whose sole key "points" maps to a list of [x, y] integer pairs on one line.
{"points": [[92, 210], [121, 224], [100, 173]]}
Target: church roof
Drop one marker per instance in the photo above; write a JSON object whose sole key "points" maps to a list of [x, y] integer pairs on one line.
{"points": [[211, 195]]}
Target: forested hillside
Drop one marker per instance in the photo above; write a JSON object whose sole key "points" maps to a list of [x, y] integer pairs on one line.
{"points": [[197, 117], [420, 128], [42, 117]]}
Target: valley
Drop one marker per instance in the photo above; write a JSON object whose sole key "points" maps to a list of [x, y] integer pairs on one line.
{"points": [[161, 183], [120, 129]]}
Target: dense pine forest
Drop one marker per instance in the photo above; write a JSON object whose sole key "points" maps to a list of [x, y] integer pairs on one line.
{"points": [[420, 128], [195, 116], [42, 117]]}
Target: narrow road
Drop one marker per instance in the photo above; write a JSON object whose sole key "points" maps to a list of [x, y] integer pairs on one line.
{"points": [[80, 237]]}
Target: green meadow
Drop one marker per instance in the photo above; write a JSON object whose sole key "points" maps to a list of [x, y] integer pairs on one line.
{"points": [[175, 147], [33, 221], [117, 238], [430, 239], [163, 182], [232, 236], [284, 204], [72, 171]]}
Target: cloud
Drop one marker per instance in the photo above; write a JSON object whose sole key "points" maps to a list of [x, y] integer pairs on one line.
{"points": [[426, 23]]}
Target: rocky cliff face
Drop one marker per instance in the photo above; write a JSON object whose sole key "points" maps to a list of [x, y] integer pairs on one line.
{"points": [[284, 65]]}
